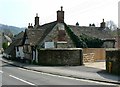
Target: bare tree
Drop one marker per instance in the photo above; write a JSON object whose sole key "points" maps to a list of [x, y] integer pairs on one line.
{"points": [[111, 25]]}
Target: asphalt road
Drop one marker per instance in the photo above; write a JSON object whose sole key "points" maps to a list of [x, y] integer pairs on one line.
{"points": [[12, 75]]}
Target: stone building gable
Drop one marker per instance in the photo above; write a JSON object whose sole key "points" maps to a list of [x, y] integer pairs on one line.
{"points": [[59, 36]]}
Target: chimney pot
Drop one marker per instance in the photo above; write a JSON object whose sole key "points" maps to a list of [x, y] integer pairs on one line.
{"points": [[36, 14], [29, 24], [89, 24], [77, 24], [61, 8], [103, 20]]}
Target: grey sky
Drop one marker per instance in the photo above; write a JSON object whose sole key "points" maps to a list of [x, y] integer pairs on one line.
{"points": [[21, 12]]}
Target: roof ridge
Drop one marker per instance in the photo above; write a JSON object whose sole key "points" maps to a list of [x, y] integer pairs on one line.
{"points": [[84, 26]]}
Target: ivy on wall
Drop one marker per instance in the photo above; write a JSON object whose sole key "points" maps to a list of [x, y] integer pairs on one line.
{"points": [[92, 42], [76, 40], [84, 41]]}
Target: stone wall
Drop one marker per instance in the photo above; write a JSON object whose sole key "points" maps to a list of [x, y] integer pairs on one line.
{"points": [[93, 54], [88, 57], [113, 61], [117, 45], [60, 56]]}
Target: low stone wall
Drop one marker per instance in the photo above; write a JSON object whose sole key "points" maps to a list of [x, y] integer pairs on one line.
{"points": [[93, 54], [60, 56], [113, 61], [88, 57]]}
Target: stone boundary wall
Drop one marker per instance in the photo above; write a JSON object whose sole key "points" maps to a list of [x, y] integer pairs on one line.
{"points": [[113, 61], [60, 56], [93, 54], [88, 57]]}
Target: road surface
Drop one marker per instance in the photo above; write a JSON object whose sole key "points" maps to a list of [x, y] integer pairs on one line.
{"points": [[12, 75]]}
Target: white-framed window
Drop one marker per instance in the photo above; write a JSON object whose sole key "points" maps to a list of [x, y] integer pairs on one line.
{"points": [[49, 45]]}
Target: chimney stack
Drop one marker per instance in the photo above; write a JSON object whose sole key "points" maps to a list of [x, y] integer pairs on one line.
{"points": [[60, 15], [77, 24], [30, 26], [103, 24], [36, 20]]}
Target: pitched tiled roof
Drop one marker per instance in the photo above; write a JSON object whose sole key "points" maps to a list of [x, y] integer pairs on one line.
{"points": [[48, 27], [36, 35], [19, 36], [19, 39], [91, 31]]}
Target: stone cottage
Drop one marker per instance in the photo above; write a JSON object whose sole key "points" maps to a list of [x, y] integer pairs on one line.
{"points": [[54, 35], [49, 35]]}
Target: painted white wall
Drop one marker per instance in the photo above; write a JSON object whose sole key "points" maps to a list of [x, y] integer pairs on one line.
{"points": [[20, 52], [36, 56]]}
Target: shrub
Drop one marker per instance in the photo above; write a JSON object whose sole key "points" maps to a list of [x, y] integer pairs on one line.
{"points": [[4, 45]]}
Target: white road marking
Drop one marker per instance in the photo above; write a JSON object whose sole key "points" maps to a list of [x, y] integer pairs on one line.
{"points": [[72, 78], [21, 80], [1, 71], [23, 69]]}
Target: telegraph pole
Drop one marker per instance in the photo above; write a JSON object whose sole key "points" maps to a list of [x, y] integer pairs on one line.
{"points": [[118, 29], [118, 38]]}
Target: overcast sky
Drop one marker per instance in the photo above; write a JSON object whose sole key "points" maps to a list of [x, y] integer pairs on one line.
{"points": [[21, 12]]}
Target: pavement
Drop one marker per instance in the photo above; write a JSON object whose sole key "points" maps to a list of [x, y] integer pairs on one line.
{"points": [[89, 71], [98, 65]]}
